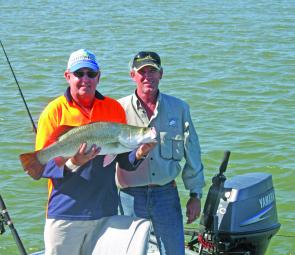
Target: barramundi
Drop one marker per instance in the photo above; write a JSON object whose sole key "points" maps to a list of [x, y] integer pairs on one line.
{"points": [[112, 138]]}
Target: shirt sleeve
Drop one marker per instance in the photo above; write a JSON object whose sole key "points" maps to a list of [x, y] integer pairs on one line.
{"points": [[192, 174], [128, 161], [52, 170], [46, 125]]}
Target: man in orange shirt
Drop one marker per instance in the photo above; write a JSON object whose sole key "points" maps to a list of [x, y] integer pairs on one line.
{"points": [[81, 190]]}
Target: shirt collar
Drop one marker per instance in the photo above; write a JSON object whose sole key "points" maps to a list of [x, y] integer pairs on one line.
{"points": [[69, 98], [136, 102]]}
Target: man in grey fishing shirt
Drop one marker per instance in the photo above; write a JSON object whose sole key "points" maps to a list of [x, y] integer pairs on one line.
{"points": [[151, 192]]}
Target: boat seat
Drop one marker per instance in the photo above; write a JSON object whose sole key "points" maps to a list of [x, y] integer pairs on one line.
{"points": [[123, 235]]}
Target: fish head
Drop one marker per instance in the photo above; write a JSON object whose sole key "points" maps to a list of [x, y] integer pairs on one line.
{"points": [[134, 136], [149, 135]]}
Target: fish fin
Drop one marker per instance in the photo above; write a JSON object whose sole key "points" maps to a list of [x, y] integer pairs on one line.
{"points": [[31, 164], [108, 159], [59, 131]]}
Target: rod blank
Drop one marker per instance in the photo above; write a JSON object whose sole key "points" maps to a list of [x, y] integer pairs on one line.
{"points": [[19, 89]]}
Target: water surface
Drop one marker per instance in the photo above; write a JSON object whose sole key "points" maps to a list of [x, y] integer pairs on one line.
{"points": [[232, 61]]}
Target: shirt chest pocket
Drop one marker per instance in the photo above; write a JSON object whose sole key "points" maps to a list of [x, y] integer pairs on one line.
{"points": [[171, 146]]}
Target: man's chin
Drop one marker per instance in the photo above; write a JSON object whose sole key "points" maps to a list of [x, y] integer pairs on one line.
{"points": [[150, 90], [86, 94], [85, 90]]}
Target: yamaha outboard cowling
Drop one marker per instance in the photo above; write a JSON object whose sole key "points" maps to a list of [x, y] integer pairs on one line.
{"points": [[247, 215], [240, 215]]}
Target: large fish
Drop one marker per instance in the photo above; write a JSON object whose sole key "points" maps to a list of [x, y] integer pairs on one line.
{"points": [[112, 138]]}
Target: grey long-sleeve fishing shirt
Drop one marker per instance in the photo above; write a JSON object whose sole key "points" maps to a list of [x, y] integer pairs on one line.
{"points": [[177, 140]]}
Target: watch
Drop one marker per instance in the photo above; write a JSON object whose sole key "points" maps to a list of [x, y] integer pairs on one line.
{"points": [[196, 195]]}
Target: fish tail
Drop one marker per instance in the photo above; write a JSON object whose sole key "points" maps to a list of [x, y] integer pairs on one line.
{"points": [[31, 164]]}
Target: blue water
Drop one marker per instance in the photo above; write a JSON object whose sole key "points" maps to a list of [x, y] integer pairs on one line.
{"points": [[232, 61]]}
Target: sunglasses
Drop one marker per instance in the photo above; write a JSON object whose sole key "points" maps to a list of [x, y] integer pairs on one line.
{"points": [[90, 74], [142, 55]]}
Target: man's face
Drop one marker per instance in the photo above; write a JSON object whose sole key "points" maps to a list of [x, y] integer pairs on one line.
{"points": [[147, 80], [83, 83]]}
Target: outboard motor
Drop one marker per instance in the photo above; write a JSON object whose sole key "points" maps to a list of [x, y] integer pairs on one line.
{"points": [[239, 215]]}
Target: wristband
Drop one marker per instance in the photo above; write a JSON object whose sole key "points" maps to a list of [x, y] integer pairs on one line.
{"points": [[71, 166]]}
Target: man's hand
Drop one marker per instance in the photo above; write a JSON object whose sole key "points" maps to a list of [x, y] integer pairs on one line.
{"points": [[144, 149], [83, 155], [193, 209]]}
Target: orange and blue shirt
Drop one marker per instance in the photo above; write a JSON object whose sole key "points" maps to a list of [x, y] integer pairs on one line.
{"points": [[90, 193]]}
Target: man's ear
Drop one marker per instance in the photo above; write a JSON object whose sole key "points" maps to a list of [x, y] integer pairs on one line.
{"points": [[161, 72], [132, 73], [98, 76], [67, 75]]}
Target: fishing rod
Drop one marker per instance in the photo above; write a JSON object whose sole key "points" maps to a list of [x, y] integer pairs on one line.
{"points": [[6, 220], [19, 89]]}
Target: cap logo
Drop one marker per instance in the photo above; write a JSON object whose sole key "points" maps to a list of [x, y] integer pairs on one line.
{"points": [[145, 58], [85, 56]]}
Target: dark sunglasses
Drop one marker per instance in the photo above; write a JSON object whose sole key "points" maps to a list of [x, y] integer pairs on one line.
{"points": [[90, 74], [148, 54]]}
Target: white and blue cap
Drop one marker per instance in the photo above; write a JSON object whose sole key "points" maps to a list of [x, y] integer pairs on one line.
{"points": [[82, 58]]}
